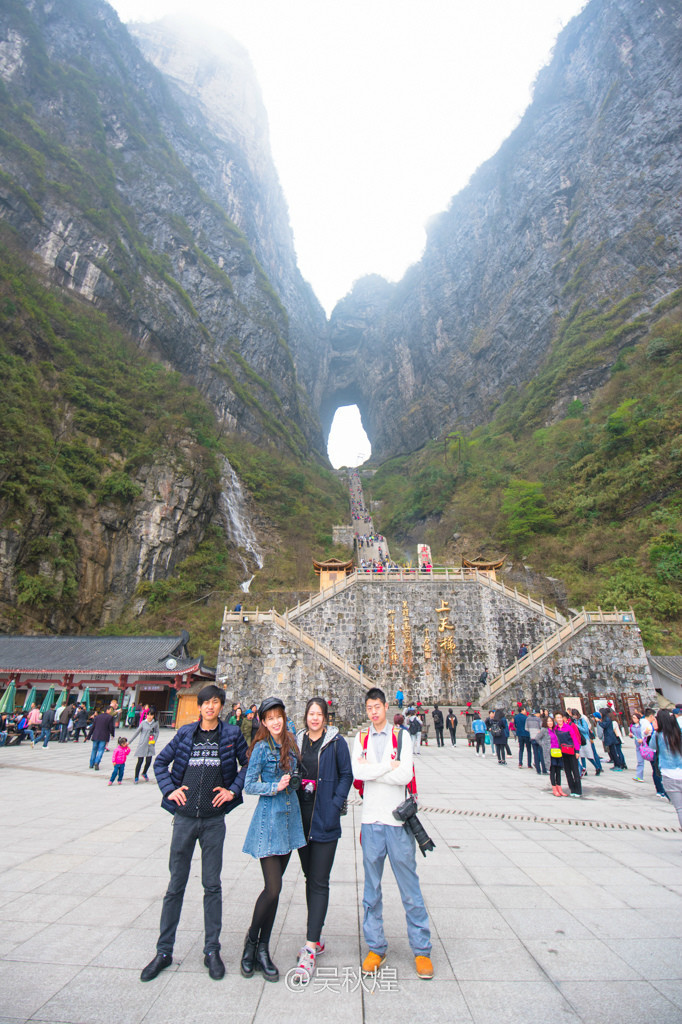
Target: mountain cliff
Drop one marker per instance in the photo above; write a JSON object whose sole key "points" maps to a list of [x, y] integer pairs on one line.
{"points": [[577, 216], [153, 319]]}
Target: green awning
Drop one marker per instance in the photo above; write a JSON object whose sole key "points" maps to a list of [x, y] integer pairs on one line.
{"points": [[30, 698], [7, 702], [85, 698], [47, 703]]}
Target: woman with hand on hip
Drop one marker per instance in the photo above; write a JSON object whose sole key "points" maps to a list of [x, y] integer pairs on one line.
{"points": [[275, 828], [148, 732]]}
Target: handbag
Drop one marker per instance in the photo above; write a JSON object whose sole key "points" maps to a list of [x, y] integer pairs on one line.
{"points": [[647, 752]]}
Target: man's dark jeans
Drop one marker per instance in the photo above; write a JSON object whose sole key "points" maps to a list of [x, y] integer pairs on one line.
{"points": [[539, 758], [211, 835], [524, 741]]}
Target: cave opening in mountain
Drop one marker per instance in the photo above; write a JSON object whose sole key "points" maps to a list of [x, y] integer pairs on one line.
{"points": [[348, 444]]}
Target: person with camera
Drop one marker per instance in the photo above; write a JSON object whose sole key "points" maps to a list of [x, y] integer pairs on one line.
{"points": [[326, 778], [276, 827], [384, 772]]}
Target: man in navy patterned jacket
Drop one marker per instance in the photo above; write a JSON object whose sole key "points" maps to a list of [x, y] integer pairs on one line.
{"points": [[202, 786]]}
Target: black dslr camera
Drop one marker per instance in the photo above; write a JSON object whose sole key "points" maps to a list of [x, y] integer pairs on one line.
{"points": [[407, 813], [295, 778]]}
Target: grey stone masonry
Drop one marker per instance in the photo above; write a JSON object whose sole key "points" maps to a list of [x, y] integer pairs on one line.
{"points": [[258, 659], [603, 659], [391, 628]]}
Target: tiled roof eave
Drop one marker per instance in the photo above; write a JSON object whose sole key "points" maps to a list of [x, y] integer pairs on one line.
{"points": [[179, 671]]}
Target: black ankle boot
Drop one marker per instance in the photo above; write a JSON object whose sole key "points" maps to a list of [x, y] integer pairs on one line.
{"points": [[248, 963], [264, 963]]}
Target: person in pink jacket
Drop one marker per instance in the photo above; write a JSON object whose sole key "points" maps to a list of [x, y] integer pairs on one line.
{"points": [[119, 759], [569, 743]]}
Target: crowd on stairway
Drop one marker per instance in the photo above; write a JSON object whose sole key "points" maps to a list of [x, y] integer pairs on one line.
{"points": [[371, 549]]}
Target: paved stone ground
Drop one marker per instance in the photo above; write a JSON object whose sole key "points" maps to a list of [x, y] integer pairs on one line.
{"points": [[534, 919]]}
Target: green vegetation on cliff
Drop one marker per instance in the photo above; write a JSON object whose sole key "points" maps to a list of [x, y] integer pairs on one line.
{"points": [[591, 494], [84, 415]]}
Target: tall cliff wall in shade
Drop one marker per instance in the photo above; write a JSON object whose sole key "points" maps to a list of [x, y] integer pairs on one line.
{"points": [[580, 210]]}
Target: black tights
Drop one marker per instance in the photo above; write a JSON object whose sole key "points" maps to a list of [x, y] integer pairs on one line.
{"points": [[316, 861], [480, 742], [147, 761], [264, 912], [555, 766]]}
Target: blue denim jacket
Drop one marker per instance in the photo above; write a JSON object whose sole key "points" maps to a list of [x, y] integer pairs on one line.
{"points": [[276, 826]]}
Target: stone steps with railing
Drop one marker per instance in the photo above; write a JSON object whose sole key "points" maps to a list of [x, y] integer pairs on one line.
{"points": [[307, 641], [549, 645]]}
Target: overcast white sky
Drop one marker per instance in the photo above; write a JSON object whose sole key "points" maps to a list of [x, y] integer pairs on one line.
{"points": [[380, 110]]}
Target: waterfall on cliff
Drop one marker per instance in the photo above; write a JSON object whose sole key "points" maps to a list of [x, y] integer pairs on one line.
{"points": [[237, 526]]}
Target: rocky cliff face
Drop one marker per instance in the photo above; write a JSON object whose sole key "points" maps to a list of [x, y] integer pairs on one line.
{"points": [[579, 210], [116, 179]]}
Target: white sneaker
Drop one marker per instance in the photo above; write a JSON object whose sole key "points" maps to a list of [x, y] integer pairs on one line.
{"points": [[305, 967]]}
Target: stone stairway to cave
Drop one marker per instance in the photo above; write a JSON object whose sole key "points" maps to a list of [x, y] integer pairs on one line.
{"points": [[364, 525], [548, 646]]}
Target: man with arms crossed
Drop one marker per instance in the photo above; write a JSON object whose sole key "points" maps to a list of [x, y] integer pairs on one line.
{"points": [[202, 786], [376, 764]]}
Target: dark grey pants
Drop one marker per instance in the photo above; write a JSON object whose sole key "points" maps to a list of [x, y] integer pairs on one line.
{"points": [[210, 832]]}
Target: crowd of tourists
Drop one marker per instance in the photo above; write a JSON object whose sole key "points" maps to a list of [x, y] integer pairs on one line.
{"points": [[561, 743]]}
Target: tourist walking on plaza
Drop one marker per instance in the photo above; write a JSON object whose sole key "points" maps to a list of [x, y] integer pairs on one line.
{"points": [[80, 722], [385, 776], [478, 729], [326, 780], [666, 740], [100, 734], [414, 725], [202, 786], [569, 743], [499, 733], [437, 716], [148, 733], [451, 723], [612, 741], [275, 829], [555, 758], [46, 725], [523, 736], [118, 759], [636, 733], [588, 751], [542, 748], [647, 726]]}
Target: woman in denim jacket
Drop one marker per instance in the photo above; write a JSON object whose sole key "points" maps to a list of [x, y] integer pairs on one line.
{"points": [[275, 828], [666, 738]]}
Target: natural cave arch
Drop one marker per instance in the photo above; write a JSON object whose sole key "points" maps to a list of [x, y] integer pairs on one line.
{"points": [[348, 443], [344, 397]]}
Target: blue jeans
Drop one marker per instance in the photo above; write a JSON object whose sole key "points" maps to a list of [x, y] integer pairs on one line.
{"points": [[210, 832], [117, 772], [97, 751], [524, 741], [45, 736], [378, 842], [594, 759]]}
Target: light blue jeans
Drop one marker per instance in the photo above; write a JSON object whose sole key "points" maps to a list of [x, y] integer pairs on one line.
{"points": [[97, 751], [378, 842]]}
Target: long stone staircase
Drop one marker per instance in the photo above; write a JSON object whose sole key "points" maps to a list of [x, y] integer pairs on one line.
{"points": [[521, 666]]}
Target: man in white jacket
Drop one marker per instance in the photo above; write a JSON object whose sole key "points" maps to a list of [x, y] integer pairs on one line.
{"points": [[375, 763]]}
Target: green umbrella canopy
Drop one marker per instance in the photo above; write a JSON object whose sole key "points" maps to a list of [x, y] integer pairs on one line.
{"points": [[30, 698], [85, 698], [7, 702], [60, 700], [47, 703]]}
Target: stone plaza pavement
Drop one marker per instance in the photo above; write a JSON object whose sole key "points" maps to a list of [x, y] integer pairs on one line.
{"points": [[535, 917]]}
